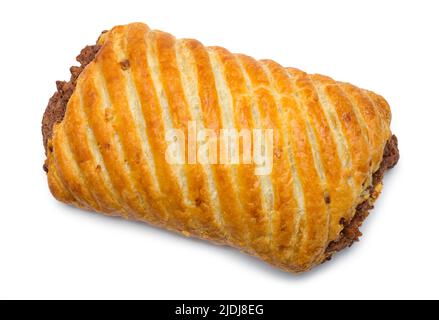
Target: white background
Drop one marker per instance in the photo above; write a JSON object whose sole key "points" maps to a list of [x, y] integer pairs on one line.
{"points": [[49, 250]]}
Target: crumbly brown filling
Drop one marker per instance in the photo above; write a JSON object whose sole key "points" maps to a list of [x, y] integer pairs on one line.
{"points": [[351, 232], [56, 109]]}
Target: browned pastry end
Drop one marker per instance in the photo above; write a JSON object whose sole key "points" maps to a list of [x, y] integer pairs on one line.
{"points": [[351, 231], [56, 107]]}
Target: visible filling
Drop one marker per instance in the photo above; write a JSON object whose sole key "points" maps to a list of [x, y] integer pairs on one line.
{"points": [[351, 231], [56, 109]]}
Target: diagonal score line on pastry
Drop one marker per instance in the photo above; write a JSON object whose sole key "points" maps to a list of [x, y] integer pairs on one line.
{"points": [[68, 173], [133, 101], [382, 108], [183, 206], [271, 112], [255, 192], [181, 113], [231, 210], [211, 219], [104, 133], [339, 191], [225, 107], [361, 121], [350, 128], [291, 201], [265, 181], [296, 131], [335, 126], [88, 156], [136, 51], [154, 67], [142, 165], [111, 140]]}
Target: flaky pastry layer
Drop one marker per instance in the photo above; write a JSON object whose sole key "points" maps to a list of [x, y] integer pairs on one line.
{"points": [[104, 133]]}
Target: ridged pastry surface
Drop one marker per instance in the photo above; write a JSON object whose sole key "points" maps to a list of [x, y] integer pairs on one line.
{"points": [[108, 153]]}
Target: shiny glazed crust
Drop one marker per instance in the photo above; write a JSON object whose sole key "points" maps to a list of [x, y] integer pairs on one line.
{"points": [[108, 152]]}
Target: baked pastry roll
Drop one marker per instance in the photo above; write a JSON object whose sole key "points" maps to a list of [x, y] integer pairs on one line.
{"points": [[105, 135]]}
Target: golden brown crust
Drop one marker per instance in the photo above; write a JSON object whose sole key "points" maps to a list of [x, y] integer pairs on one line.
{"points": [[108, 152]]}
